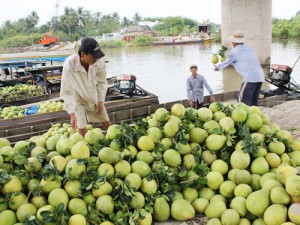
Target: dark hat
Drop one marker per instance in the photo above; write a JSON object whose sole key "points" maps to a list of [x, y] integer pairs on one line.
{"points": [[91, 46]]}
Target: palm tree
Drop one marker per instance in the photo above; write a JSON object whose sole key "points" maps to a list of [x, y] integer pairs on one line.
{"points": [[34, 18], [116, 16], [126, 22], [69, 19]]}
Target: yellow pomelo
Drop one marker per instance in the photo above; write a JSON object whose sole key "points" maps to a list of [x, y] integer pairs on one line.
{"points": [[77, 219], [80, 150], [275, 214], [178, 110], [284, 171], [145, 221], [273, 160], [146, 143], [13, 185], [122, 168]]}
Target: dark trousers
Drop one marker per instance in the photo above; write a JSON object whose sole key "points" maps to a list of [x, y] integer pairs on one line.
{"points": [[198, 105], [249, 93]]}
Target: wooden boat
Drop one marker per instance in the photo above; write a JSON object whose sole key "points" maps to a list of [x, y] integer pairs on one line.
{"points": [[121, 110], [181, 42]]}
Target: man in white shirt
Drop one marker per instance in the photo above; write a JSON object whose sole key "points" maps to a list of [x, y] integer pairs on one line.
{"points": [[244, 60], [84, 86]]}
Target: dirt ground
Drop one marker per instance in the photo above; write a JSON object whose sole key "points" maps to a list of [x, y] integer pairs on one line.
{"points": [[286, 115]]}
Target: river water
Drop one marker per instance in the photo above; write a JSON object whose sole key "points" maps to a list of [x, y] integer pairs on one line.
{"points": [[162, 70]]}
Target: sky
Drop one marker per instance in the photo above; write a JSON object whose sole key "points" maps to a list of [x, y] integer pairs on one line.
{"points": [[199, 10]]}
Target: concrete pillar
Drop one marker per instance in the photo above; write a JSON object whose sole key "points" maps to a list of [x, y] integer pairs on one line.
{"points": [[254, 18]]}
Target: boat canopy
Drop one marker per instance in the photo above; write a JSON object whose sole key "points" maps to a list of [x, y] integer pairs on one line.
{"points": [[20, 63]]}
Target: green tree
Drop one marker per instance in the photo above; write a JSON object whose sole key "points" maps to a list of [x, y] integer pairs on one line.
{"points": [[136, 18], [170, 26], [69, 20], [126, 22]]}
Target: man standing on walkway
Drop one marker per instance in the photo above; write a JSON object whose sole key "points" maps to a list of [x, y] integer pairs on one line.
{"points": [[195, 84], [84, 86], [244, 60]]}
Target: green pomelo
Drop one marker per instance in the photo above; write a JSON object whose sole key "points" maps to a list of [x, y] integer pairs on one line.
{"points": [[17, 199], [59, 162], [161, 115], [21, 146], [198, 135], [105, 204], [253, 121], [141, 168], [7, 153], [101, 188], [49, 184], [178, 110], [215, 142], [208, 156], [108, 155], [8, 217], [258, 201], [63, 146], [205, 114], [279, 195], [242, 177], [80, 150], [227, 124], [215, 209], [113, 131], [155, 133], [166, 143], [38, 151], [73, 188], [239, 115], [215, 106], [182, 210], [191, 113], [255, 182], [227, 188], [133, 180], [214, 221], [92, 137], [74, 169], [211, 125], [77, 219], [146, 143], [105, 169], [285, 134], [190, 194], [292, 185], [58, 196], [275, 214], [147, 220], [161, 210], [189, 161], [257, 138], [24, 211], [172, 158], [183, 148], [76, 137], [295, 145], [137, 200], [170, 129], [149, 187], [200, 204], [51, 142], [4, 142], [239, 205], [13, 185], [273, 160], [230, 217], [284, 171], [239, 160], [270, 184], [77, 206], [175, 119], [214, 179], [218, 197], [122, 168], [242, 190], [259, 166], [219, 166], [206, 193], [218, 116]]}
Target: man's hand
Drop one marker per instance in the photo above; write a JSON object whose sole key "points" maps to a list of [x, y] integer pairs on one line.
{"points": [[212, 99], [99, 108], [216, 68], [191, 103], [73, 120]]}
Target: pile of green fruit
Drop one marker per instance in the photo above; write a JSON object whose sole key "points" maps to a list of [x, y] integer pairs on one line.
{"points": [[227, 162], [19, 92], [220, 54], [11, 112]]}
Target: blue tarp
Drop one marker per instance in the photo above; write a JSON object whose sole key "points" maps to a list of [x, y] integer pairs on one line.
{"points": [[31, 110]]}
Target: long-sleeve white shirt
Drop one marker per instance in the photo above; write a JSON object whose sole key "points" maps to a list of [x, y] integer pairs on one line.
{"points": [[79, 87], [245, 62]]}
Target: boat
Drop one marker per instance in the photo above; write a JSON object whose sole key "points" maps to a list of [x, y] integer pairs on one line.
{"points": [[120, 110], [181, 42]]}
